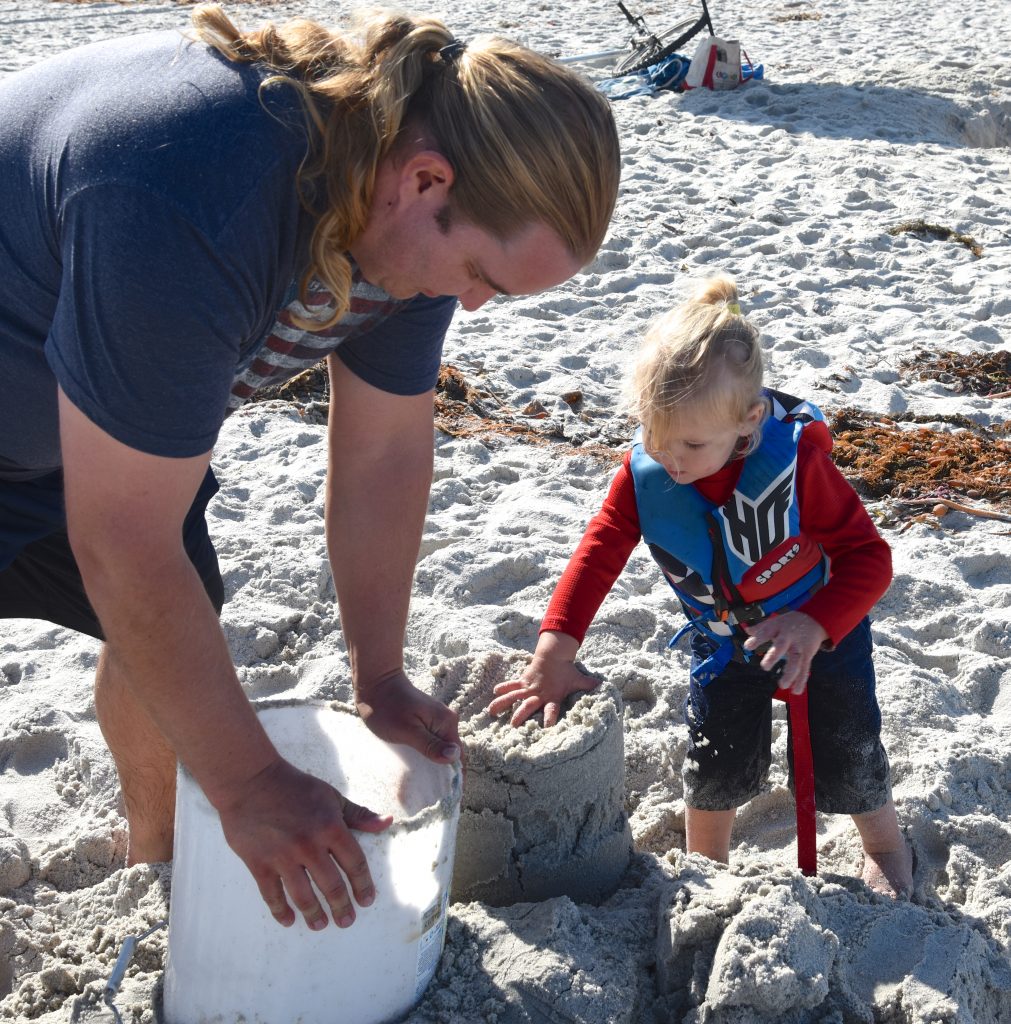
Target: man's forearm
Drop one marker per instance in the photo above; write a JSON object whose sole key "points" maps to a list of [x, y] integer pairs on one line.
{"points": [[163, 633], [375, 519]]}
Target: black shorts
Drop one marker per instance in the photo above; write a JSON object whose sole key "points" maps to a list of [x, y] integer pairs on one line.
{"points": [[730, 732], [39, 578]]}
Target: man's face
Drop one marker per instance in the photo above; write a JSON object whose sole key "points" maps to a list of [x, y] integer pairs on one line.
{"points": [[413, 245]]}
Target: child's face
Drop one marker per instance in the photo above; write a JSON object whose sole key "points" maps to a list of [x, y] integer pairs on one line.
{"points": [[693, 449]]}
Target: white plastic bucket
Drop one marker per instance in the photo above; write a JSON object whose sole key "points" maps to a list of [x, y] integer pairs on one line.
{"points": [[230, 961]]}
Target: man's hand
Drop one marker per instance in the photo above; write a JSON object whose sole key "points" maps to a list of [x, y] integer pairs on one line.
{"points": [[287, 827], [549, 678], [398, 712], [793, 637]]}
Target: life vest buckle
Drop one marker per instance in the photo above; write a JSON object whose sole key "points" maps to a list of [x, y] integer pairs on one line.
{"points": [[748, 614]]}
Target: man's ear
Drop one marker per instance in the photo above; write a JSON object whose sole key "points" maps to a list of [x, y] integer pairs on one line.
{"points": [[426, 175]]}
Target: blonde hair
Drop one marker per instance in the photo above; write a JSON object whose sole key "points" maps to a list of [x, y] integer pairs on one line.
{"points": [[528, 139], [703, 355]]}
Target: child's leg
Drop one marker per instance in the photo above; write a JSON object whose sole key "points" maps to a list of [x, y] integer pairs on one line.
{"points": [[888, 859], [729, 737], [852, 774], [708, 833]]}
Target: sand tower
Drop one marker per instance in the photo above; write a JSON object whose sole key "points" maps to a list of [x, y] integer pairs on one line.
{"points": [[542, 812]]}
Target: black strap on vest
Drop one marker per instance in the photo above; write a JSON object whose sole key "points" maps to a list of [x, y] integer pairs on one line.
{"points": [[726, 597]]}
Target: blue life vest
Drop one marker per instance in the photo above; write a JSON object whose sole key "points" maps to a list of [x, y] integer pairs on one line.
{"points": [[754, 541]]}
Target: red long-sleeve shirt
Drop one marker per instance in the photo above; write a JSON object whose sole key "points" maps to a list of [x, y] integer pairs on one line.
{"points": [[831, 514]]}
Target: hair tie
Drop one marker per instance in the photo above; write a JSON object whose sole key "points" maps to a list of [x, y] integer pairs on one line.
{"points": [[452, 50], [734, 307]]}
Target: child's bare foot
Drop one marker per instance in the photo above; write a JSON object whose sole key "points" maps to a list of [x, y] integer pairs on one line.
{"points": [[889, 872]]}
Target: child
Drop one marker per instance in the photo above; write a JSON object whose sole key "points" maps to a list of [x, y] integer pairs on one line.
{"points": [[775, 562]]}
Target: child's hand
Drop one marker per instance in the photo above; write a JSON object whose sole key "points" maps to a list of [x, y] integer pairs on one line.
{"points": [[549, 678], [793, 637]]}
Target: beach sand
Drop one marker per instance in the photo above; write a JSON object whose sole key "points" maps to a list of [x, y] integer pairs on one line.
{"points": [[871, 115]]}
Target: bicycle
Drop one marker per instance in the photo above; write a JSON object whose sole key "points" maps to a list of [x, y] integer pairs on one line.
{"points": [[650, 47]]}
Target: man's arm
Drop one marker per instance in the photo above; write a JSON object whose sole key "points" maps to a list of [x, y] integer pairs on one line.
{"points": [[125, 511], [380, 472]]}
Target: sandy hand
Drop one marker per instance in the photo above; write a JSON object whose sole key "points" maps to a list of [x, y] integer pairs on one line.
{"points": [[288, 827], [794, 638], [398, 712], [545, 683]]}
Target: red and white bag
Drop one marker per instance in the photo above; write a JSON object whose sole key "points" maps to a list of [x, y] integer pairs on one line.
{"points": [[716, 64]]}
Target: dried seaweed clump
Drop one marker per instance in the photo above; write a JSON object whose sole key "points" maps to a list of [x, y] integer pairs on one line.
{"points": [[461, 410], [977, 373], [939, 231], [464, 411], [883, 459], [308, 392]]}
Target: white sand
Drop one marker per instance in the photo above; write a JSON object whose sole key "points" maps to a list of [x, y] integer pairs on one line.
{"points": [[875, 114]]}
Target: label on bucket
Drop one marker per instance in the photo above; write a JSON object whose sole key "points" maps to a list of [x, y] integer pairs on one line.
{"points": [[433, 935]]}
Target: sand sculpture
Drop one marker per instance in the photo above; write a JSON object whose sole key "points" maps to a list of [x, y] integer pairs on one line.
{"points": [[542, 812]]}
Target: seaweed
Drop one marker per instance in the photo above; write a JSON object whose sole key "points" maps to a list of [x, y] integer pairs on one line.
{"points": [[896, 457], [912, 459], [921, 227], [978, 373], [461, 410]]}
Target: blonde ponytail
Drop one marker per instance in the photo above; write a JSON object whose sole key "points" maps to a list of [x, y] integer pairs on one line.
{"points": [[702, 354]]}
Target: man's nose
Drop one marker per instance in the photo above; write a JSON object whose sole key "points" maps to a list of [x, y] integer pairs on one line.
{"points": [[476, 297]]}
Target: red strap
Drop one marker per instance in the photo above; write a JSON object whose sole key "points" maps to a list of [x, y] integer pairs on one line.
{"points": [[707, 78], [803, 781]]}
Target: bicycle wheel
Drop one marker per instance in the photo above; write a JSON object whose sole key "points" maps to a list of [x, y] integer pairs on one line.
{"points": [[653, 48]]}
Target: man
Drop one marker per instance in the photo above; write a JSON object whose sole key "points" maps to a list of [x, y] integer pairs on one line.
{"points": [[183, 223]]}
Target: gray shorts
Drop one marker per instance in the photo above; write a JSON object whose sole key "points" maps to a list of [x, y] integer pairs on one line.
{"points": [[730, 732]]}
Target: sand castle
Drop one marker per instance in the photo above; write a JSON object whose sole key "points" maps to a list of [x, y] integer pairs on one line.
{"points": [[543, 811]]}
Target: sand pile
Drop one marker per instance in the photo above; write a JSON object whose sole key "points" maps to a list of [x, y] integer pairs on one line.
{"points": [[543, 811]]}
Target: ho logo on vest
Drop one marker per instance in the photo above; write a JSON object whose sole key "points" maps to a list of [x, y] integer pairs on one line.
{"points": [[754, 527]]}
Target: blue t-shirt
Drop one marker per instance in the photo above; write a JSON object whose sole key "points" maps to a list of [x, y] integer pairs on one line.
{"points": [[151, 238]]}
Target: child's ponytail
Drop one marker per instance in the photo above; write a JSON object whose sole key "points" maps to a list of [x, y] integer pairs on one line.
{"points": [[703, 354]]}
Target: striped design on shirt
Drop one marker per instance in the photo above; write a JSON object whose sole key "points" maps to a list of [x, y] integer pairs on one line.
{"points": [[287, 349]]}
